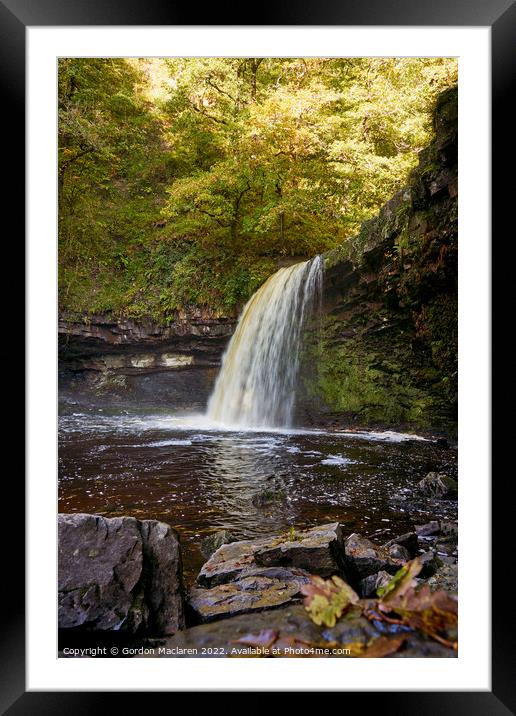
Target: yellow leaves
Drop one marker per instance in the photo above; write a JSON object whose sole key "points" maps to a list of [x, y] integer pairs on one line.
{"points": [[401, 602], [326, 601], [401, 582], [434, 613]]}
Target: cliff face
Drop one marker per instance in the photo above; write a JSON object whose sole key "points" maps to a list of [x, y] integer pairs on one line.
{"points": [[388, 350], [108, 361], [194, 338]]}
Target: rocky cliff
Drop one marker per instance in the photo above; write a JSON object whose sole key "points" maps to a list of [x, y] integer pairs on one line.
{"points": [[388, 350], [118, 361]]}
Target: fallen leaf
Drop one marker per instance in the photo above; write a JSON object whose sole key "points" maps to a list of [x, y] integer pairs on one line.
{"points": [[326, 600], [401, 582], [433, 613]]}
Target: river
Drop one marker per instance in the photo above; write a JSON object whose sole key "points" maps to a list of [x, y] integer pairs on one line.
{"points": [[198, 477]]}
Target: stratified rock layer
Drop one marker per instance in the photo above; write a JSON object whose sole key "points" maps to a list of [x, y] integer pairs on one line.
{"points": [[256, 589], [318, 550], [260, 574]]}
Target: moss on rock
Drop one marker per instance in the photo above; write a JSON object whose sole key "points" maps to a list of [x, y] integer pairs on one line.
{"points": [[387, 352]]}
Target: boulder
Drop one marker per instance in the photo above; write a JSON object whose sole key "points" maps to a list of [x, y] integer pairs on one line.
{"points": [[318, 550], [446, 577], [449, 527], [271, 495], [229, 561], [364, 558], [428, 529], [398, 551], [369, 585], [119, 574], [408, 541], [220, 639], [162, 577], [447, 546], [255, 589], [430, 562], [436, 484], [211, 543]]}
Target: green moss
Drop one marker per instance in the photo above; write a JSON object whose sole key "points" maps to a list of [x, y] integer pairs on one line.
{"points": [[366, 388]]}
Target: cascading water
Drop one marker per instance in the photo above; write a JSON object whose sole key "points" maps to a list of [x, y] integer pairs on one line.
{"points": [[257, 380]]}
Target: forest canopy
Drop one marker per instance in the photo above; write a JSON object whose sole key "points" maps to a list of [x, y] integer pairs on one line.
{"points": [[183, 182]]}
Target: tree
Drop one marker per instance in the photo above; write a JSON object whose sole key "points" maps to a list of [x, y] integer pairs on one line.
{"points": [[183, 180]]}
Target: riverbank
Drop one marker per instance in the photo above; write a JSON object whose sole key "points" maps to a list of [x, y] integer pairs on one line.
{"points": [[319, 592]]}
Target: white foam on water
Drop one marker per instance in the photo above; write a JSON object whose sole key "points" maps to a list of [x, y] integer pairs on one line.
{"points": [[205, 428], [166, 443], [337, 460], [384, 436]]}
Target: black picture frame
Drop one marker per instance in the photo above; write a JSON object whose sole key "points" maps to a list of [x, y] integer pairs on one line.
{"points": [[500, 15]]}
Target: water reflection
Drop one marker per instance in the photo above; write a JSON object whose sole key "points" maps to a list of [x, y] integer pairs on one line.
{"points": [[199, 479]]}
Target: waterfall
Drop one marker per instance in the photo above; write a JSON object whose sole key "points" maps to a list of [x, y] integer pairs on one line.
{"points": [[257, 380]]}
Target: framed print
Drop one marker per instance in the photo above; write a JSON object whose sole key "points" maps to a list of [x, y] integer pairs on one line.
{"points": [[258, 354]]}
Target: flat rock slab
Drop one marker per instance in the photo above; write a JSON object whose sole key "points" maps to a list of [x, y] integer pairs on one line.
{"points": [[255, 589], [283, 628], [119, 574], [319, 550]]}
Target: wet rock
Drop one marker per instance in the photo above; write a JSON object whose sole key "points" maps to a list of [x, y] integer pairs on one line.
{"points": [[430, 528], [354, 630], [268, 496], [257, 588], [364, 558], [398, 551], [446, 577], [447, 545], [431, 564], [409, 541], [229, 561], [270, 633], [318, 550], [449, 527], [119, 574], [162, 577], [446, 559], [436, 484], [419, 646], [217, 639], [211, 543], [369, 585]]}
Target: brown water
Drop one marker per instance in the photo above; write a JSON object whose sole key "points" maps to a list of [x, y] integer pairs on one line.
{"points": [[198, 478]]}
